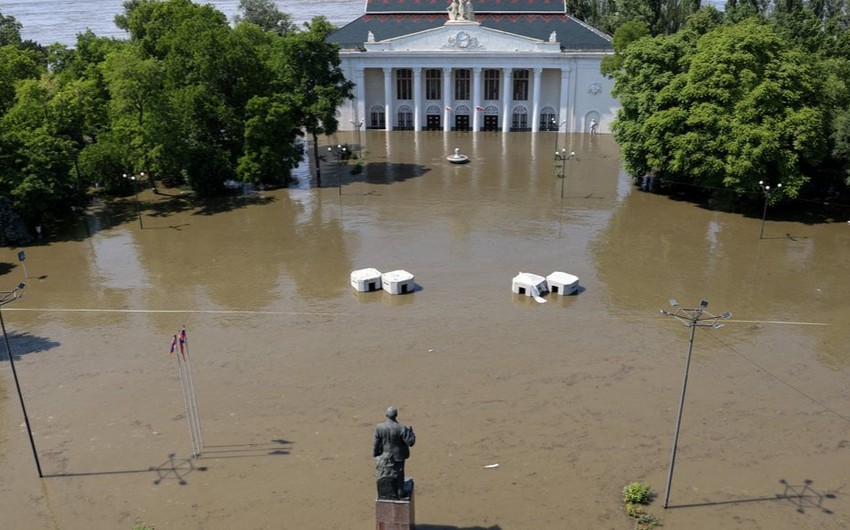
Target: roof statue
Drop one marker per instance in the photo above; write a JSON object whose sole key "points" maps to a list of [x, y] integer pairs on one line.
{"points": [[553, 37], [461, 10], [467, 12], [370, 37], [454, 10]]}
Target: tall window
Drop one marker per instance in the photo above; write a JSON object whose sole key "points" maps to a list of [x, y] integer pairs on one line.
{"points": [[520, 85], [433, 83], [462, 84], [491, 84], [404, 83]]}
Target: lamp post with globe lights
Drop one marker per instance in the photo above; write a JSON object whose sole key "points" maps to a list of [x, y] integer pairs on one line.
{"points": [[561, 158], [5, 298], [693, 318], [765, 188], [133, 178], [341, 152]]}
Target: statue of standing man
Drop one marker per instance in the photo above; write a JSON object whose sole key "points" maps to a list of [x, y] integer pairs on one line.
{"points": [[393, 441]]}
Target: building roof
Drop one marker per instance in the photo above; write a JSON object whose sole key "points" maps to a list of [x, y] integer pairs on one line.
{"points": [[537, 19], [374, 7]]}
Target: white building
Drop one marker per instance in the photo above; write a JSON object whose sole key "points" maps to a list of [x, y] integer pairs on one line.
{"points": [[480, 65]]}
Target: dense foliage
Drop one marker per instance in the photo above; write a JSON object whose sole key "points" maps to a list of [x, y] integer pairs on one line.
{"points": [[187, 99], [759, 93]]}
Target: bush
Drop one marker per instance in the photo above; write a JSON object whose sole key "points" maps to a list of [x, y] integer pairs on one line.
{"points": [[637, 493]]}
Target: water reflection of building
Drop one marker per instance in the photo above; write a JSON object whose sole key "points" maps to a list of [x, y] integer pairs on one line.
{"points": [[457, 65]]}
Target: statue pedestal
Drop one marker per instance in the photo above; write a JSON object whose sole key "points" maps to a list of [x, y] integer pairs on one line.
{"points": [[396, 515]]}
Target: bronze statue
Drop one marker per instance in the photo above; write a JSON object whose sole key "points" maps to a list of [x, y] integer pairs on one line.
{"points": [[393, 441]]}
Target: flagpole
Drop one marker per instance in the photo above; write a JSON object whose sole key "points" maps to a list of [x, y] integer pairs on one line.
{"points": [[191, 380], [183, 390]]}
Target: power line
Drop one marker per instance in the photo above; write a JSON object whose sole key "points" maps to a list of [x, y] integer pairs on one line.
{"points": [[779, 379]]}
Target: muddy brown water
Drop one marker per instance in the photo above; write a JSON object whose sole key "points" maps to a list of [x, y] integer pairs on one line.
{"points": [[573, 398]]}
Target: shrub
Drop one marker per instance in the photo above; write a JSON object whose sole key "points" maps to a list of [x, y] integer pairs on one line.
{"points": [[637, 493]]}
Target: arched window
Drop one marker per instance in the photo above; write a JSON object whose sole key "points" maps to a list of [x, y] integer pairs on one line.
{"points": [[405, 118], [376, 117], [548, 119], [519, 119]]}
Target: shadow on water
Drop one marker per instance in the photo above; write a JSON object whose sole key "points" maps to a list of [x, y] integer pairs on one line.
{"points": [[274, 447], [172, 469], [802, 496], [375, 173], [24, 343], [449, 527], [809, 211], [6, 267], [104, 213]]}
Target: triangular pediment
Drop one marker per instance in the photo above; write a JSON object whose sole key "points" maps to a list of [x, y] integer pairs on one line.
{"points": [[463, 37]]}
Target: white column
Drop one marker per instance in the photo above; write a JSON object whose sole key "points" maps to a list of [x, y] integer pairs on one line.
{"points": [[563, 113], [388, 98], [417, 99], [360, 96], [476, 98], [535, 100], [507, 96], [447, 99]]}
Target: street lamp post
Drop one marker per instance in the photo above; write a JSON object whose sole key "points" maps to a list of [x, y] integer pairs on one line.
{"points": [[5, 298], [561, 158], [692, 318], [357, 124], [339, 151], [557, 127], [136, 192], [765, 188]]}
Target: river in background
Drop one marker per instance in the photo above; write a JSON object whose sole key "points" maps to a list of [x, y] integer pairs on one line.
{"points": [[48, 21], [573, 398]]}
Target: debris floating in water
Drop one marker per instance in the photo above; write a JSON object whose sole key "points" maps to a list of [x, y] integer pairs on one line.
{"points": [[491, 466]]}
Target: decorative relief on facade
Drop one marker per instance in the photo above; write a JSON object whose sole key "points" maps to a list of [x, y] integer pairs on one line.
{"points": [[463, 40], [595, 88]]}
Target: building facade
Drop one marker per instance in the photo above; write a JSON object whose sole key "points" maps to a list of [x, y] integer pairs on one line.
{"points": [[474, 65]]}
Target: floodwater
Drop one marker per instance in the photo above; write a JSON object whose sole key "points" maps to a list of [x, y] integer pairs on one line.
{"points": [[573, 399]]}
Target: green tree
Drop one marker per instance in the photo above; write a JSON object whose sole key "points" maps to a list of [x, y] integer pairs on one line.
{"points": [[36, 175], [10, 31], [308, 69], [264, 13], [727, 109], [626, 34], [270, 148]]}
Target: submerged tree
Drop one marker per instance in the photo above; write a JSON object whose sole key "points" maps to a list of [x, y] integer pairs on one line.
{"points": [[264, 13], [725, 109], [308, 69]]}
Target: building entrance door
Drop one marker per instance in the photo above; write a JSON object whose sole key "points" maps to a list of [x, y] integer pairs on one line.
{"points": [[462, 122], [432, 122], [491, 123]]}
